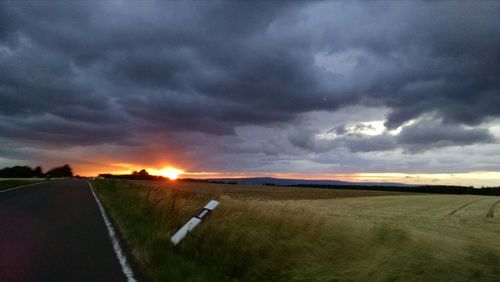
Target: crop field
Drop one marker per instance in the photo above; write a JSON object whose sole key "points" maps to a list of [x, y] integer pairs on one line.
{"points": [[301, 234], [264, 192]]}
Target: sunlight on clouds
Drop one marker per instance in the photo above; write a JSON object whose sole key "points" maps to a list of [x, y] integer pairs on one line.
{"points": [[339, 63], [494, 127], [475, 178], [370, 128]]}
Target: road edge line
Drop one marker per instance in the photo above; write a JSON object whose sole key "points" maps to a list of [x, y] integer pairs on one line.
{"points": [[22, 186], [120, 254]]}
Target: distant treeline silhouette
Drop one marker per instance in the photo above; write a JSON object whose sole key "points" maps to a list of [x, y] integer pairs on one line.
{"points": [[28, 172], [136, 175], [434, 189]]}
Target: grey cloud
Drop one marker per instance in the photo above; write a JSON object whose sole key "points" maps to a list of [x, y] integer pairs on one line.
{"points": [[196, 50], [304, 138], [340, 130], [212, 67], [426, 134], [431, 134], [371, 144], [52, 131]]}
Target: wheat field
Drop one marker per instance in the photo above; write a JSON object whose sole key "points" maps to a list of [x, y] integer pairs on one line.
{"points": [[396, 237]]}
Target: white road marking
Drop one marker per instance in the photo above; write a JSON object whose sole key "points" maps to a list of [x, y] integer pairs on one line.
{"points": [[22, 186], [120, 254]]}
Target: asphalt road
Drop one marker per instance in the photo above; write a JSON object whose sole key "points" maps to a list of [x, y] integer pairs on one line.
{"points": [[54, 231]]}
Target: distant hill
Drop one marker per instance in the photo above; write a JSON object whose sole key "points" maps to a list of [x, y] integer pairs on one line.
{"points": [[286, 182], [375, 186]]}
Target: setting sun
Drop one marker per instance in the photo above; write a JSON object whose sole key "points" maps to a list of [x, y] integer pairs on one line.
{"points": [[170, 172]]}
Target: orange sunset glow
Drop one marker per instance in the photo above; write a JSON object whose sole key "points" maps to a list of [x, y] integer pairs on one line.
{"points": [[169, 172], [173, 172]]}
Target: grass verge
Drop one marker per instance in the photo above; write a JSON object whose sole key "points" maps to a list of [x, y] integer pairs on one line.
{"points": [[11, 183]]}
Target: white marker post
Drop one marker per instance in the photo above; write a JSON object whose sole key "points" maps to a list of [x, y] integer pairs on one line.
{"points": [[193, 222]]}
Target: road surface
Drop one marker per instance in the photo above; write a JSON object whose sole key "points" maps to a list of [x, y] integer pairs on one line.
{"points": [[54, 231]]}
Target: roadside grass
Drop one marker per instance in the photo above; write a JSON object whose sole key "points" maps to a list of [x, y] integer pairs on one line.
{"points": [[11, 183], [387, 238]]}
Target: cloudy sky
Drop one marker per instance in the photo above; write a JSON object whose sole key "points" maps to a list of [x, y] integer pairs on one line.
{"points": [[396, 91]]}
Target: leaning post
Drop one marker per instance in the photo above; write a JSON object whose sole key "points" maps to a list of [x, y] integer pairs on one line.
{"points": [[193, 222]]}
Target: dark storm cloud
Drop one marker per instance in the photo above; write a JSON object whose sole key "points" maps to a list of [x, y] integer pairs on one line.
{"points": [[422, 135], [52, 131], [428, 134], [145, 67]]}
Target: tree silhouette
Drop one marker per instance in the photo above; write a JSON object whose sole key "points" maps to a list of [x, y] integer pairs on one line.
{"points": [[62, 171], [37, 172], [20, 172], [135, 175]]}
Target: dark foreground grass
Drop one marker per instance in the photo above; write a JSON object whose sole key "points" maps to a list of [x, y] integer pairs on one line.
{"points": [[269, 240], [7, 184]]}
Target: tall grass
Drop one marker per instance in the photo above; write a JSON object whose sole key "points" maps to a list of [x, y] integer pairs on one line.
{"points": [[252, 240]]}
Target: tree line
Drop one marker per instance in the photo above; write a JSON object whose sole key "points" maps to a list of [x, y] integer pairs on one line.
{"points": [[136, 175], [434, 189], [28, 172]]}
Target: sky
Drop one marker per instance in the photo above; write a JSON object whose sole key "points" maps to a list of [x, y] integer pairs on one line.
{"points": [[362, 91]]}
